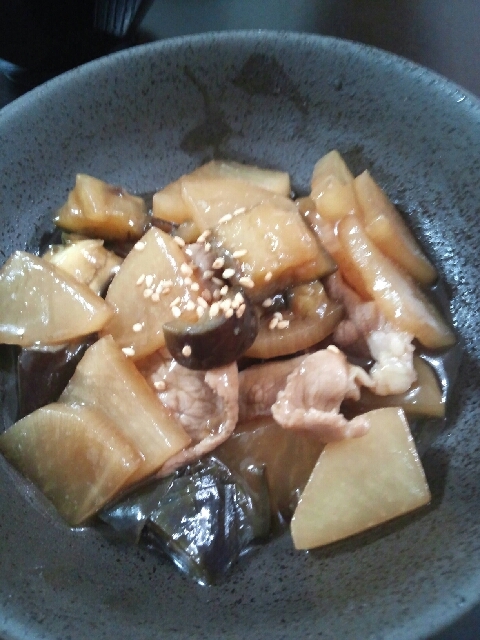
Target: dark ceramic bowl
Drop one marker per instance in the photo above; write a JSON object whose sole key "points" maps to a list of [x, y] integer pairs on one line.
{"points": [[141, 118]]}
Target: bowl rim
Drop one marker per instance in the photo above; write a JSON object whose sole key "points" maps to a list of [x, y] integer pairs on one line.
{"points": [[444, 85]]}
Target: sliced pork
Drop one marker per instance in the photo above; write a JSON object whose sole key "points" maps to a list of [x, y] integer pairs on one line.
{"points": [[259, 386], [205, 403], [313, 393], [366, 332]]}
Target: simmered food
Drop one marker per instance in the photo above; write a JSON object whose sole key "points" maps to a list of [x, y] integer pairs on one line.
{"points": [[232, 360]]}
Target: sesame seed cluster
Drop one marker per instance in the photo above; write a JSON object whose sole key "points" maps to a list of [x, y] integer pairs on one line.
{"points": [[216, 298]]}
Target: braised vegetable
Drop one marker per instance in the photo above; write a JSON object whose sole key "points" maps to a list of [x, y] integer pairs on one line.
{"points": [[170, 204], [42, 305], [107, 380], [74, 454], [332, 188], [43, 374], [386, 228], [101, 210], [424, 398], [203, 518], [214, 340], [287, 456], [399, 298], [87, 261], [309, 318], [153, 279], [272, 249], [359, 483]]}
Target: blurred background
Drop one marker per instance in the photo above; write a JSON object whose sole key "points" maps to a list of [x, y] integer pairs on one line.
{"points": [[42, 38]]}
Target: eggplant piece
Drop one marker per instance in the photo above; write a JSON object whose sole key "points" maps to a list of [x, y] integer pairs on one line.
{"points": [[43, 375], [213, 341], [310, 318], [203, 517]]}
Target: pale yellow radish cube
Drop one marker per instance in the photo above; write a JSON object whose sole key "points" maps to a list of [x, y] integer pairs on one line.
{"points": [[43, 305], [96, 208], [107, 380], [397, 295], [332, 188], [74, 454], [360, 483], [386, 228], [142, 293], [169, 204], [270, 179], [277, 249], [87, 261], [211, 199]]}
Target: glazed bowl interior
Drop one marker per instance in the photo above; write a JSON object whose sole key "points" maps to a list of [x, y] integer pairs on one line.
{"points": [[140, 119]]}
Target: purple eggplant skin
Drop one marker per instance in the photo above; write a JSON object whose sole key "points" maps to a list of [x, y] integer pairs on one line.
{"points": [[203, 517], [43, 375], [213, 342]]}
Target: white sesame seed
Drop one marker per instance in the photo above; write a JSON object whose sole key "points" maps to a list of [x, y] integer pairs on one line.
{"points": [[206, 295], [208, 246], [273, 323], [155, 297], [268, 276], [218, 263], [246, 281], [187, 351], [176, 312], [166, 290], [138, 326], [200, 311], [283, 324], [224, 290], [226, 218], [186, 269], [333, 348], [195, 286], [148, 281], [147, 293], [235, 303], [267, 303], [239, 298], [175, 302], [239, 210], [225, 304], [228, 273], [240, 311], [208, 274], [190, 306], [278, 315], [240, 253], [141, 279], [139, 246], [202, 302], [214, 310], [160, 385], [21, 332], [187, 281], [167, 283], [180, 241], [216, 294], [218, 281], [128, 351], [229, 313]]}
